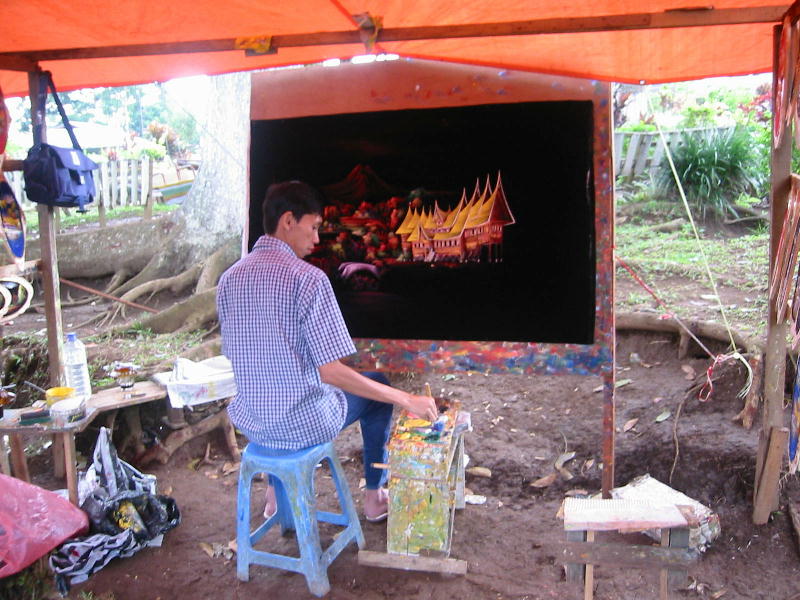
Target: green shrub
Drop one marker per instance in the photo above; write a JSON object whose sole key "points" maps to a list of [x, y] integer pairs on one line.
{"points": [[714, 167]]}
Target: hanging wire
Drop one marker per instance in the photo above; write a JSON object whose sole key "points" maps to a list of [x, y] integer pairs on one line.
{"points": [[735, 354]]}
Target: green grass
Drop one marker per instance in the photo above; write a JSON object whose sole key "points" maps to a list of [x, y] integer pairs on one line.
{"points": [[742, 260], [91, 216], [736, 261]]}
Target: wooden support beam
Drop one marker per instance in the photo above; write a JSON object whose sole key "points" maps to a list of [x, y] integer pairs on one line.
{"points": [[624, 555], [766, 495], [408, 562], [47, 234], [775, 352], [695, 17], [19, 464], [11, 62], [68, 441]]}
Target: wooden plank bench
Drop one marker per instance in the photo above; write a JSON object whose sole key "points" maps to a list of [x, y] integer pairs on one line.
{"points": [[583, 517], [64, 436]]}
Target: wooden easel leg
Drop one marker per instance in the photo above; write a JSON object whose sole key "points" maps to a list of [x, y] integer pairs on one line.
{"points": [[68, 440], [18, 462]]}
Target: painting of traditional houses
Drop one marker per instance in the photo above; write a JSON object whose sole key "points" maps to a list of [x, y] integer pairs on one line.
{"points": [[470, 231]]}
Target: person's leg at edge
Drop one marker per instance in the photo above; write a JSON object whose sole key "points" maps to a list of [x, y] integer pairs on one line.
{"points": [[375, 419]]}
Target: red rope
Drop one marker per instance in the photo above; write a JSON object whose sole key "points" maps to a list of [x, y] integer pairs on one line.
{"points": [[708, 387]]}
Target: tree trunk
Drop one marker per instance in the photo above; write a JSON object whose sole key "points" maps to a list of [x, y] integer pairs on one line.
{"points": [[208, 226]]}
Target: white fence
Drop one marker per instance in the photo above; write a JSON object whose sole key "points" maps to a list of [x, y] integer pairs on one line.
{"points": [[640, 152], [126, 182]]}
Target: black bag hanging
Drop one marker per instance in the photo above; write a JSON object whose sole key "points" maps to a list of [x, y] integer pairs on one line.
{"points": [[59, 176]]}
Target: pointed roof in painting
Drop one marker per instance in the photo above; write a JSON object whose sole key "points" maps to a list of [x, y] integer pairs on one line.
{"points": [[451, 217], [409, 222]]}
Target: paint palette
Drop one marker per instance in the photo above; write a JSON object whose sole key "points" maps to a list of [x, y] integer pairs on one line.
{"points": [[426, 483]]}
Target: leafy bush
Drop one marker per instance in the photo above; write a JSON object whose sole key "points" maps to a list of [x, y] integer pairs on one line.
{"points": [[714, 167]]}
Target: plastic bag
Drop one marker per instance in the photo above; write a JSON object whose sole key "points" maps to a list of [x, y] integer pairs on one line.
{"points": [[33, 521], [124, 512]]}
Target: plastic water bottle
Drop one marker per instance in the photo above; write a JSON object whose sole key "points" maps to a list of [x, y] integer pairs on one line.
{"points": [[76, 368]]}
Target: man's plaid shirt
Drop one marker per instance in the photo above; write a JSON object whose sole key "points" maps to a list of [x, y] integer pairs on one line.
{"points": [[280, 322]]}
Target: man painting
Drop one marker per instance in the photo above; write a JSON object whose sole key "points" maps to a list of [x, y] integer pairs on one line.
{"points": [[284, 334]]}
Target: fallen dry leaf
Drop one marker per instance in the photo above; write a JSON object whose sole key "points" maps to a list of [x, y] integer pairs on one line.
{"points": [[630, 424], [663, 416], [563, 459], [232, 545], [588, 464], [479, 472], [207, 549], [620, 383], [718, 594], [544, 481]]}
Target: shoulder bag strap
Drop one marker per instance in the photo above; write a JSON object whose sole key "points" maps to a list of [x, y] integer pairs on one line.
{"points": [[61, 111]]}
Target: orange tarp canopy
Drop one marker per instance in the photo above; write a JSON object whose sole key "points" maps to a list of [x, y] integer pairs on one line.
{"points": [[120, 43]]}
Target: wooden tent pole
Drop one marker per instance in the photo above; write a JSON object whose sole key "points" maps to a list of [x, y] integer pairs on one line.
{"points": [[775, 354], [47, 233], [689, 17]]}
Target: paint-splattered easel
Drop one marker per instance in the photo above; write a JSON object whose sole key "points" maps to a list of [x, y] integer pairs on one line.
{"points": [[426, 486]]}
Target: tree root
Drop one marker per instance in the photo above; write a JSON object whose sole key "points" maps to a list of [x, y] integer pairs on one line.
{"points": [[216, 264], [188, 315], [702, 329], [119, 277]]}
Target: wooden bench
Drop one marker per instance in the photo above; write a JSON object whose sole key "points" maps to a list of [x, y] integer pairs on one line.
{"points": [[108, 401], [583, 517], [64, 436]]}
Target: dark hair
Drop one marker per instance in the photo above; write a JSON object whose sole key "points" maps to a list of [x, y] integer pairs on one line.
{"points": [[294, 196]]}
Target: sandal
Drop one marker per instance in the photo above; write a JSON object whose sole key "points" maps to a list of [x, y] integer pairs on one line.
{"points": [[378, 518]]}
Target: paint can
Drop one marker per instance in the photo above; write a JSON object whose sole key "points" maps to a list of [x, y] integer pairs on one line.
{"points": [[57, 394], [67, 411]]}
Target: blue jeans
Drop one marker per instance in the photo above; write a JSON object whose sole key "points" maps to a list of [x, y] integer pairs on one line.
{"points": [[376, 424]]}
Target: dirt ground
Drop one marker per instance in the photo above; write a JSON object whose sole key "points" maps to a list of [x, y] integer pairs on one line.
{"points": [[521, 425]]}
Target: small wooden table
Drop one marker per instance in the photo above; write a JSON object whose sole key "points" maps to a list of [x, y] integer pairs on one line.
{"points": [[584, 516], [64, 436]]}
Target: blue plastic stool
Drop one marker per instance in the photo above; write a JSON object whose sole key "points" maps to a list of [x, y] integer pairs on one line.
{"points": [[293, 476]]}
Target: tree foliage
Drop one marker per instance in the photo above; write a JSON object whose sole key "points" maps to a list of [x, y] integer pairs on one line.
{"points": [[714, 167]]}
